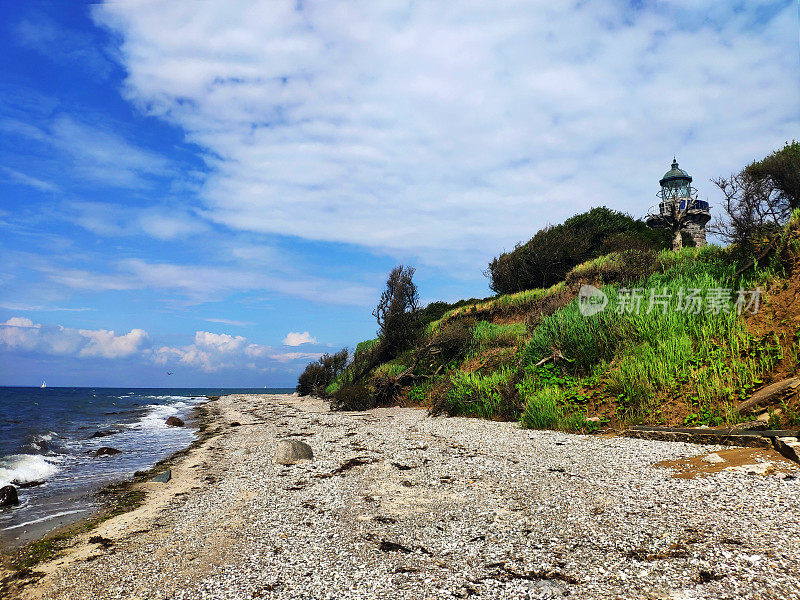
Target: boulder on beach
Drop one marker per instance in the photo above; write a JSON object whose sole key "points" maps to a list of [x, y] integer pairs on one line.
{"points": [[175, 422], [106, 451], [8, 496], [163, 477], [290, 452]]}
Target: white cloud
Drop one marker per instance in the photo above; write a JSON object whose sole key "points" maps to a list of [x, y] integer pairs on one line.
{"points": [[43, 186], [214, 351], [20, 322], [230, 322], [22, 334], [96, 153], [452, 130], [292, 356], [201, 283], [105, 344], [295, 339], [160, 222]]}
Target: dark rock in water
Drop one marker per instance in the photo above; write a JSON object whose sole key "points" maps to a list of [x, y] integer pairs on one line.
{"points": [[106, 451], [8, 496], [163, 477], [102, 433], [41, 445], [175, 422], [27, 484]]}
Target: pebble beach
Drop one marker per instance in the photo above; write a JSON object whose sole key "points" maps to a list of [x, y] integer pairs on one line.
{"points": [[398, 504]]}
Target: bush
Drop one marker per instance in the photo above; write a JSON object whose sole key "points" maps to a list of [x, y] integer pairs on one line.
{"points": [[656, 352], [446, 346], [355, 396], [318, 375], [547, 257], [627, 266]]}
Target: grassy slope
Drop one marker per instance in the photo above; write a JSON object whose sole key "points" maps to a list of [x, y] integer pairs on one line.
{"points": [[652, 367]]}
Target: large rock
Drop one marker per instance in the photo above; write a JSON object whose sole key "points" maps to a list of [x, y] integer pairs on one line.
{"points": [[290, 452], [8, 496], [106, 451], [175, 422], [163, 477], [789, 447]]}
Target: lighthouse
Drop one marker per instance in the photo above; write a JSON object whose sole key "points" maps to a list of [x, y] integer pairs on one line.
{"points": [[679, 209]]}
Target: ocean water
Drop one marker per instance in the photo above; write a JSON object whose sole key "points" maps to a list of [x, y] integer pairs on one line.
{"points": [[46, 438]]}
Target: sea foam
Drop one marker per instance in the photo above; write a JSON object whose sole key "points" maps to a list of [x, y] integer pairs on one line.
{"points": [[25, 468]]}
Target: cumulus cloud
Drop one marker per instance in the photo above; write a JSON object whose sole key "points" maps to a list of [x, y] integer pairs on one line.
{"points": [[106, 344], [295, 339], [452, 130], [22, 334], [20, 322], [212, 352]]}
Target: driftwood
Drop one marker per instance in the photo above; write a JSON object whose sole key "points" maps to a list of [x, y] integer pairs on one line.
{"points": [[556, 355], [769, 393]]}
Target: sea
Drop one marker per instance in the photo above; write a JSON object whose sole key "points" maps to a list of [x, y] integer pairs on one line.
{"points": [[47, 446]]}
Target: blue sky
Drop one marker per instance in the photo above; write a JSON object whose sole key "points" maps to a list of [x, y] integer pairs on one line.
{"points": [[219, 189]]}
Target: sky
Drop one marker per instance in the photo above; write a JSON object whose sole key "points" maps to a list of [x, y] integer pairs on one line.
{"points": [[218, 190]]}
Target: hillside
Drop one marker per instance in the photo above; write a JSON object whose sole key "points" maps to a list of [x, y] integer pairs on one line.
{"points": [[670, 347]]}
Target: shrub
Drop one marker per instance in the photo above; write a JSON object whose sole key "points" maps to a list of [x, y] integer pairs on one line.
{"points": [[547, 257], [318, 375], [711, 353], [355, 396], [446, 346], [618, 267]]}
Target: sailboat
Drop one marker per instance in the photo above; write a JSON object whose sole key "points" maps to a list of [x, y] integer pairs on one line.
{"points": [[44, 384]]}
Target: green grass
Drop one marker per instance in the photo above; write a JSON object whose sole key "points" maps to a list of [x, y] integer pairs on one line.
{"points": [[392, 368], [366, 346], [649, 352], [492, 335], [476, 395], [549, 408], [508, 302]]}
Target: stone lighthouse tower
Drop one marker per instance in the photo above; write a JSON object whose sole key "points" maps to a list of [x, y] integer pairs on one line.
{"points": [[679, 210]]}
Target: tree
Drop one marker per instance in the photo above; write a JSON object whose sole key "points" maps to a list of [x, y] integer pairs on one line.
{"points": [[673, 220], [397, 312], [781, 171], [758, 201]]}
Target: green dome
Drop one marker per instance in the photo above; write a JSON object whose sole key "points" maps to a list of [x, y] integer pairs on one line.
{"points": [[675, 174]]}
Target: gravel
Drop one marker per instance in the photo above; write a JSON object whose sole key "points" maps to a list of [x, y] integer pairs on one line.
{"points": [[397, 504]]}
